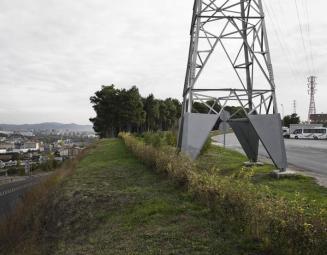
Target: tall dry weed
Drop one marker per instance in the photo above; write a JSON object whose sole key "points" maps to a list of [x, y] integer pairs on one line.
{"points": [[20, 231], [282, 225]]}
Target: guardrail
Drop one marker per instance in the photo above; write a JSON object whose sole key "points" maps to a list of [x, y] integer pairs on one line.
{"points": [[4, 171]]}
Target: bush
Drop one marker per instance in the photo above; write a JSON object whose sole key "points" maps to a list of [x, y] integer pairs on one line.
{"points": [[160, 139], [171, 138], [281, 226]]}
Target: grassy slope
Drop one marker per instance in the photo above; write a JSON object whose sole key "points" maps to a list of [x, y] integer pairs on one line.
{"points": [[229, 162], [115, 205]]}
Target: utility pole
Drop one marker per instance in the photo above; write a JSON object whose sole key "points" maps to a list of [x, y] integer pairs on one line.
{"points": [[294, 107], [312, 84]]}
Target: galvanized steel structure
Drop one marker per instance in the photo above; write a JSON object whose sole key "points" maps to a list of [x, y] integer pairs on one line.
{"points": [[214, 24], [312, 88]]}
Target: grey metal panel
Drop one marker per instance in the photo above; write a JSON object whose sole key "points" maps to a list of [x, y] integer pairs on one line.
{"points": [[196, 129], [269, 130], [247, 137]]}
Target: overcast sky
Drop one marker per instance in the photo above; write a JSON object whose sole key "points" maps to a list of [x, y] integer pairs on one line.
{"points": [[54, 54]]}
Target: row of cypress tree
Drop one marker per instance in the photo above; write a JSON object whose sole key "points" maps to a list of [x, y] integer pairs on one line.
{"points": [[120, 110], [126, 110]]}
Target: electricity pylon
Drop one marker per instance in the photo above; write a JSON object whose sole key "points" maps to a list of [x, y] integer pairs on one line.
{"points": [[312, 84], [294, 107], [217, 23]]}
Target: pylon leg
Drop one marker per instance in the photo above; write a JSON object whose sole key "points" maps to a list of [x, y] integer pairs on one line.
{"points": [[196, 129], [269, 130], [247, 137]]}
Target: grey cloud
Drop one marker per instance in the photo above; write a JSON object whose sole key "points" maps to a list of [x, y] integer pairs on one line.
{"points": [[54, 54]]}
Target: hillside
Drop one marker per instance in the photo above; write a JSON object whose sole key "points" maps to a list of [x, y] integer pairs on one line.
{"points": [[113, 204], [47, 126], [154, 201]]}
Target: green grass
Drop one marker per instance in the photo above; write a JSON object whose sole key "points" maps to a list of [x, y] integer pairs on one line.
{"points": [[113, 204], [231, 162]]}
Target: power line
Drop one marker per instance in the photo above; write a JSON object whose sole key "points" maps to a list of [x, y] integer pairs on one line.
{"points": [[302, 36], [306, 7], [280, 38]]}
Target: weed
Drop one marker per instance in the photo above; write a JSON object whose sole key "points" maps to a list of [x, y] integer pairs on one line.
{"points": [[283, 225]]}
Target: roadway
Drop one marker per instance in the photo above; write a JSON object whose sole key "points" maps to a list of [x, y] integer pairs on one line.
{"points": [[12, 193], [307, 156]]}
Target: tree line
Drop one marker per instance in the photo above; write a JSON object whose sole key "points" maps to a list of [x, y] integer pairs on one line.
{"points": [[291, 119], [126, 110]]}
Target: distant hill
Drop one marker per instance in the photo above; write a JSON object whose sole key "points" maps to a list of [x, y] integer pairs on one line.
{"points": [[47, 126]]}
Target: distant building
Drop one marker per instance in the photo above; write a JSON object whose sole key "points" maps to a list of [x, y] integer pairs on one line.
{"points": [[6, 157], [64, 152], [318, 119], [7, 146], [7, 133], [70, 152], [32, 146], [26, 133]]}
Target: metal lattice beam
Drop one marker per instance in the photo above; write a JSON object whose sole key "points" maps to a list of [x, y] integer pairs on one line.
{"points": [[215, 23]]}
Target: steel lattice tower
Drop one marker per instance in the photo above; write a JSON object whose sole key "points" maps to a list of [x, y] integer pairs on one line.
{"points": [[294, 107], [312, 91], [215, 24]]}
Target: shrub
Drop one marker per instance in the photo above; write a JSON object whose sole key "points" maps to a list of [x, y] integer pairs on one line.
{"points": [[282, 226], [154, 139], [171, 138], [160, 139]]}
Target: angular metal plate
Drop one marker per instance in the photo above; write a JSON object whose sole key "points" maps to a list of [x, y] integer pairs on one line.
{"points": [[247, 137], [196, 129], [269, 130]]}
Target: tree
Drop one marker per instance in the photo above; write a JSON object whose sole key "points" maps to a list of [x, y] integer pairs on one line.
{"points": [[117, 110], [151, 107], [291, 119], [130, 113], [105, 106], [173, 112], [164, 118], [199, 108], [125, 110]]}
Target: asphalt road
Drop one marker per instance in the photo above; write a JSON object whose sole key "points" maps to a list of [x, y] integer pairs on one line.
{"points": [[308, 156], [12, 193]]}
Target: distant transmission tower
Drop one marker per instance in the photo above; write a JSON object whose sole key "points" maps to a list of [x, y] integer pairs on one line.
{"points": [[294, 107], [237, 28], [312, 91]]}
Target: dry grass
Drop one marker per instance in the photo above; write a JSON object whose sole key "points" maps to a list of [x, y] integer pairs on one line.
{"points": [[281, 225], [21, 230]]}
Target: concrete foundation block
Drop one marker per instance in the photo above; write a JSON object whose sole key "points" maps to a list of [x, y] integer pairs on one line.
{"points": [[278, 174], [251, 164]]}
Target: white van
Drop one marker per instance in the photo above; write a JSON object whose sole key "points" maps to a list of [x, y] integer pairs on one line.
{"points": [[309, 133]]}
